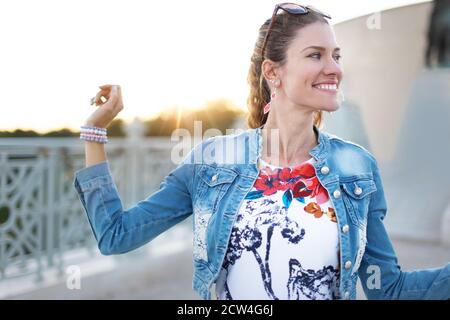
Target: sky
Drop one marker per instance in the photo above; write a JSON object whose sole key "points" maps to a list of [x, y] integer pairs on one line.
{"points": [[54, 54]]}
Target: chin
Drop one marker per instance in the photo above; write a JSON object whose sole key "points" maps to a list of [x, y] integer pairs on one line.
{"points": [[334, 108], [329, 107]]}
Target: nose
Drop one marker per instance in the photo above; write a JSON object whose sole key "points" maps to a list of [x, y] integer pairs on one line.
{"points": [[332, 67]]}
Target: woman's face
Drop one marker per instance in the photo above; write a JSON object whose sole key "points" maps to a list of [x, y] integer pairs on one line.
{"points": [[312, 75]]}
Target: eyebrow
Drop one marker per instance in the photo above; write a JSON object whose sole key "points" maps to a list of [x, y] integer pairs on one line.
{"points": [[320, 48]]}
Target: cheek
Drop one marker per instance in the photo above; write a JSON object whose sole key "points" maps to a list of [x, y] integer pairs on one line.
{"points": [[301, 76], [306, 75], [301, 82]]}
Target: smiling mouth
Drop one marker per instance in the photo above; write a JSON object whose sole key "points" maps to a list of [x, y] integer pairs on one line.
{"points": [[332, 88]]}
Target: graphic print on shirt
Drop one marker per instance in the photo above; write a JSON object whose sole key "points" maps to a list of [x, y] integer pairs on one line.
{"points": [[271, 228]]}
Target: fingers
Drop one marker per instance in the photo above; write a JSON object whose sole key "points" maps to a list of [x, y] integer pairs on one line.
{"points": [[107, 92], [103, 95]]}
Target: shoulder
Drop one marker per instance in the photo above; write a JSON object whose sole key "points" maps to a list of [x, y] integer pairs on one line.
{"points": [[231, 136], [223, 148], [348, 151]]}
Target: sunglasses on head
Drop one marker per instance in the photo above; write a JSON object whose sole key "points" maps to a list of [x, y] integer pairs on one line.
{"points": [[292, 8]]}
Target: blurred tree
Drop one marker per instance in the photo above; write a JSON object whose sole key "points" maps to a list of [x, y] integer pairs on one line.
{"points": [[218, 114], [19, 133], [59, 133], [116, 128]]}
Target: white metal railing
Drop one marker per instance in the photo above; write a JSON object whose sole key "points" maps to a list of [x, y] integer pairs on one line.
{"points": [[41, 217]]}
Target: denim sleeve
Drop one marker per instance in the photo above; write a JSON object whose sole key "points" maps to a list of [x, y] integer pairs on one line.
{"points": [[381, 276], [118, 231]]}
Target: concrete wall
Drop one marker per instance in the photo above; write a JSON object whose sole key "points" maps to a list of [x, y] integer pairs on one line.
{"points": [[380, 66]]}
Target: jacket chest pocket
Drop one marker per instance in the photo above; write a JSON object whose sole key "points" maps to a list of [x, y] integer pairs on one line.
{"points": [[213, 184], [356, 199]]}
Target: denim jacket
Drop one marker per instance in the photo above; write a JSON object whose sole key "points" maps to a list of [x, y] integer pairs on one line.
{"points": [[211, 183]]}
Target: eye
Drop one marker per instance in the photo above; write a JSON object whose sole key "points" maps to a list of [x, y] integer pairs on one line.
{"points": [[315, 55]]}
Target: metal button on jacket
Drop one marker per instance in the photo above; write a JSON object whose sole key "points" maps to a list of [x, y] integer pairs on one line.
{"points": [[357, 191], [345, 228], [325, 170], [214, 178], [336, 194], [348, 264]]}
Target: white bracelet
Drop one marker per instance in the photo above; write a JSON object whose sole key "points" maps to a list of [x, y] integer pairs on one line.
{"points": [[93, 134], [93, 130]]}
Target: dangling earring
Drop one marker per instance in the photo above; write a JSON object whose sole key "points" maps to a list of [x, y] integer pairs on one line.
{"points": [[272, 96]]}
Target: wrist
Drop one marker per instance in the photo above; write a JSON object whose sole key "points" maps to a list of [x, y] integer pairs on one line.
{"points": [[91, 124]]}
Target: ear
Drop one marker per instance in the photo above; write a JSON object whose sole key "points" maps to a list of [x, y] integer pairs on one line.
{"points": [[270, 70]]}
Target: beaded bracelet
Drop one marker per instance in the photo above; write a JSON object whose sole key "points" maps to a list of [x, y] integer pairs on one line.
{"points": [[93, 134], [94, 130], [93, 138]]}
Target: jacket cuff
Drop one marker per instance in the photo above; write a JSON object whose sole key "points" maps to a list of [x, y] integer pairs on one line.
{"points": [[92, 176]]}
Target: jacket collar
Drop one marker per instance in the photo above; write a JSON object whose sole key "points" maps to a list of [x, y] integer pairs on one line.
{"points": [[319, 152]]}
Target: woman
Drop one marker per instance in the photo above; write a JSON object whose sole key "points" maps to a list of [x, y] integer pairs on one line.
{"points": [[295, 213]]}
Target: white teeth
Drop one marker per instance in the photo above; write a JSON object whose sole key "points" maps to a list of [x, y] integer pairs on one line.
{"points": [[326, 86]]}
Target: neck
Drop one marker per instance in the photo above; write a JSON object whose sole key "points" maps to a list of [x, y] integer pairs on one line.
{"points": [[288, 137]]}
